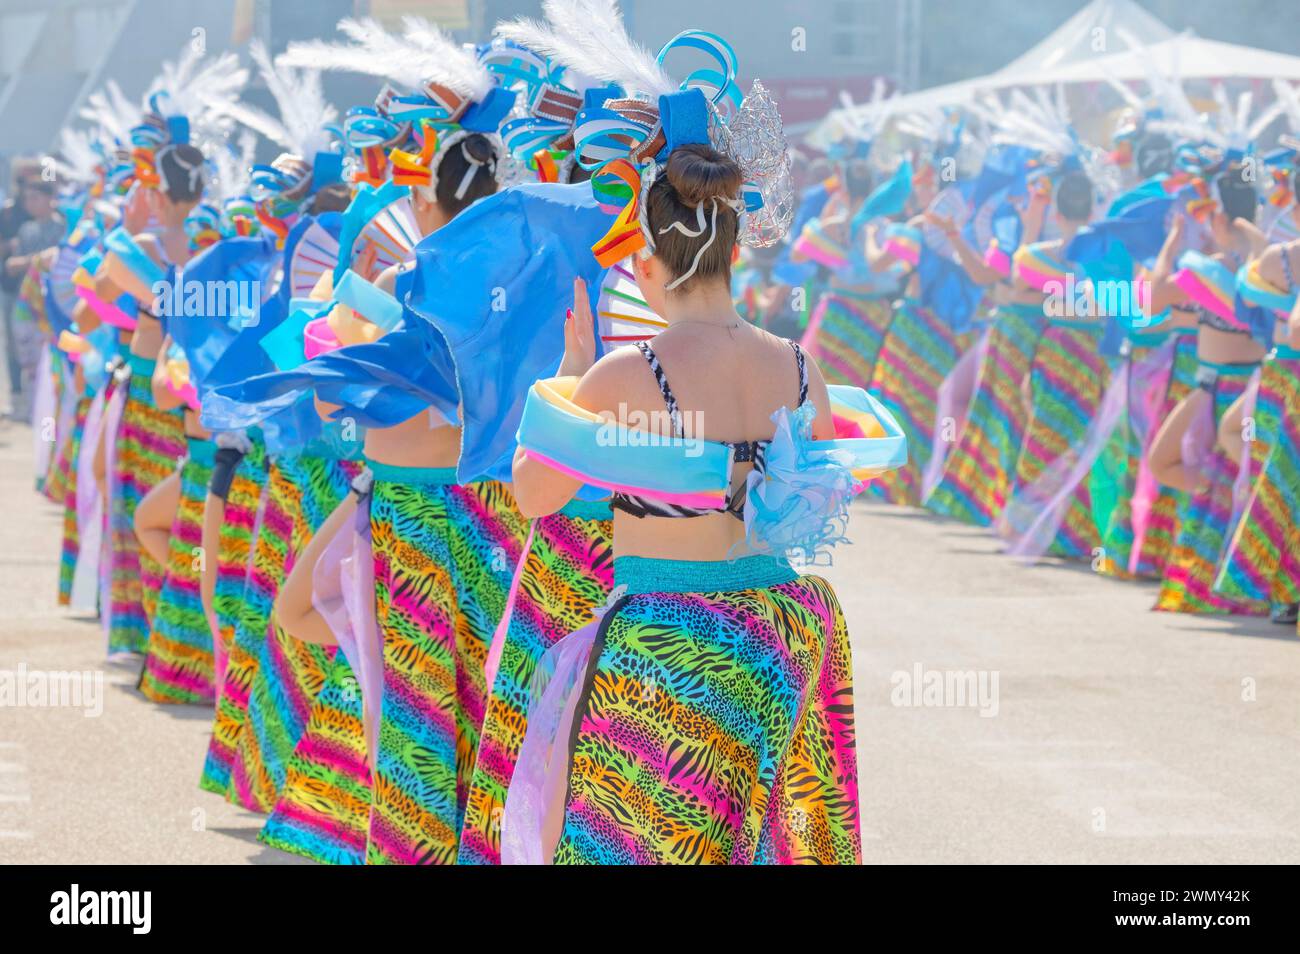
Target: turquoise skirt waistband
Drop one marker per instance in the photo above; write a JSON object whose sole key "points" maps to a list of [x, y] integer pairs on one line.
{"points": [[648, 575], [588, 510], [429, 476], [141, 365], [201, 451], [1285, 353], [1230, 370], [1076, 323], [1019, 308]]}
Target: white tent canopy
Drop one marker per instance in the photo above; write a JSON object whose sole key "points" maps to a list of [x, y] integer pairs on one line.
{"points": [[1084, 50]]}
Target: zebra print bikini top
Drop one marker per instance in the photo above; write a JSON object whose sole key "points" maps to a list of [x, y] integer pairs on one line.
{"points": [[742, 451]]}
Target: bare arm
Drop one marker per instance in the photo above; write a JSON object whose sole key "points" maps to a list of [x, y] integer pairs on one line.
{"points": [[162, 395], [293, 607]]}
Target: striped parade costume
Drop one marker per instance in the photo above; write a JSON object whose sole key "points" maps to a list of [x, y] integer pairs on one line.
{"points": [[148, 444], [566, 574], [918, 352], [980, 467], [1067, 379], [444, 555], [288, 674], [1262, 561], [845, 334], [178, 664], [1204, 529]]}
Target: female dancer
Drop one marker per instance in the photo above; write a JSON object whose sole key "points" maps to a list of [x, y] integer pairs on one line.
{"points": [[1048, 507], [1228, 358], [980, 467], [443, 550], [1262, 560], [668, 734], [691, 616]]}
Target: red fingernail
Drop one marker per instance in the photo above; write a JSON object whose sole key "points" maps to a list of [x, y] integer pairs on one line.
{"points": [[568, 314]]}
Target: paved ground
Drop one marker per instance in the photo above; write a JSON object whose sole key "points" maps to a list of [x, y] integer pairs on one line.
{"points": [[1115, 734]]}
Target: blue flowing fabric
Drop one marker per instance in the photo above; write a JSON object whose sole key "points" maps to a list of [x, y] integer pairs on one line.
{"points": [[289, 424], [888, 198], [483, 318], [947, 290], [1005, 168], [493, 285], [205, 338], [1108, 250]]}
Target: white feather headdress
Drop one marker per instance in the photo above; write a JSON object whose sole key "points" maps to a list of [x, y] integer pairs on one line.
{"points": [[589, 37], [198, 88], [421, 55], [114, 113], [301, 128], [863, 122]]}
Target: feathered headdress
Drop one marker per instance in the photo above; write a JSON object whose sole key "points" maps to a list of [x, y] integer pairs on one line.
{"points": [[115, 115], [1041, 121], [182, 105], [303, 130], [624, 141], [550, 94], [857, 125], [452, 95]]}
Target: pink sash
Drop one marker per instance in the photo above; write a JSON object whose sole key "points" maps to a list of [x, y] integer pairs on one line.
{"points": [[503, 627], [112, 424], [343, 592], [108, 312], [953, 401], [90, 512], [540, 782]]}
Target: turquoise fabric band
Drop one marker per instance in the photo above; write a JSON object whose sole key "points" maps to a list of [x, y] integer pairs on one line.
{"points": [[141, 365], [201, 451], [1230, 370], [393, 474], [1075, 323], [1285, 353], [648, 575], [1025, 311], [588, 510]]}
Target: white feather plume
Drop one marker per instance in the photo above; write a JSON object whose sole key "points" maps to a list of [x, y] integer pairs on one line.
{"points": [[298, 96], [232, 168], [113, 112], [448, 63], [200, 88], [589, 36], [373, 51], [76, 159]]}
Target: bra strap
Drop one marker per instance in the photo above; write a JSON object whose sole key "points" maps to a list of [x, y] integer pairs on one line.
{"points": [[670, 402], [803, 372]]}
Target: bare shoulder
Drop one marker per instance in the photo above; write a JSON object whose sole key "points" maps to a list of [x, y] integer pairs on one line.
{"points": [[620, 377], [1270, 265]]}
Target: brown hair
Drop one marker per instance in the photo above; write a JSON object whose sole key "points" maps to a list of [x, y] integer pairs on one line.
{"points": [[694, 177], [334, 197], [452, 167]]}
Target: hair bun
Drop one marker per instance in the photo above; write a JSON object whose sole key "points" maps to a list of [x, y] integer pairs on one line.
{"points": [[699, 173], [479, 148]]}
